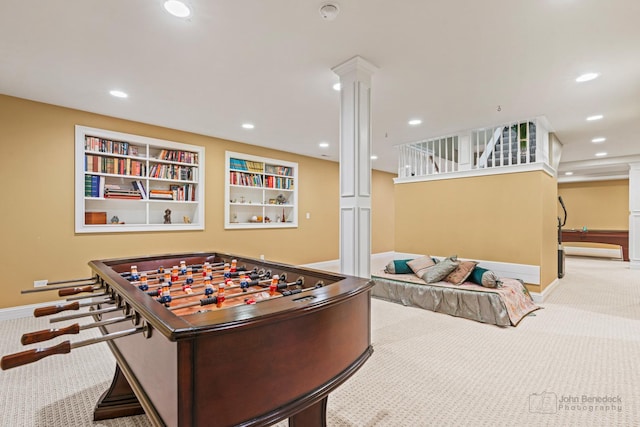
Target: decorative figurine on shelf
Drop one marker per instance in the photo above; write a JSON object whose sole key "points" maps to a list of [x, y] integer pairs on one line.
{"points": [[186, 219], [281, 200], [115, 220], [167, 216]]}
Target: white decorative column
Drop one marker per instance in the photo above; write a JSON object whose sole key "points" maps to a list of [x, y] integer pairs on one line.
{"points": [[355, 166], [634, 215]]}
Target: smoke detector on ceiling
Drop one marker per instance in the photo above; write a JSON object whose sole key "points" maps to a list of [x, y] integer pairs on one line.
{"points": [[329, 11]]}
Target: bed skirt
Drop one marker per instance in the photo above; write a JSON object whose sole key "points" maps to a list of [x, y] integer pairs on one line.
{"points": [[486, 306]]}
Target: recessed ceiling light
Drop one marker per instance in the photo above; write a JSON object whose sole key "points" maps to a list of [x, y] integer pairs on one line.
{"points": [[118, 93], [248, 125], [337, 87], [568, 173], [323, 144], [177, 8], [374, 157], [595, 117], [587, 77], [598, 140], [415, 122], [601, 154]]}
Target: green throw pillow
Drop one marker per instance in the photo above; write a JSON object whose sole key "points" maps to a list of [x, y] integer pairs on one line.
{"points": [[398, 266], [483, 277]]}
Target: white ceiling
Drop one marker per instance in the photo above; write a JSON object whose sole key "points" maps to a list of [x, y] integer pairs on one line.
{"points": [[450, 63]]}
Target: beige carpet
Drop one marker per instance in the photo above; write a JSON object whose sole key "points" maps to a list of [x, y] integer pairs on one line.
{"points": [[427, 369]]}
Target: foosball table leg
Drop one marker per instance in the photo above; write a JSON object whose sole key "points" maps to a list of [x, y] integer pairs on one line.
{"points": [[313, 416], [118, 401]]}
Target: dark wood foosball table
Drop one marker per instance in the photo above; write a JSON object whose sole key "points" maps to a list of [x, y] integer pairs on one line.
{"points": [[251, 354]]}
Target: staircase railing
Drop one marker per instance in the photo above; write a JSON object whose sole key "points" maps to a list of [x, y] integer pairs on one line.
{"points": [[507, 145]]}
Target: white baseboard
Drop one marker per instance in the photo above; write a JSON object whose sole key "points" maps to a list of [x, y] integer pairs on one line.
{"points": [[596, 252], [525, 272], [539, 297], [20, 311], [378, 261]]}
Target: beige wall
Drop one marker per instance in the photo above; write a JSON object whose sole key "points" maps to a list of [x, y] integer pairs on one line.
{"points": [[37, 215], [504, 218], [598, 205]]}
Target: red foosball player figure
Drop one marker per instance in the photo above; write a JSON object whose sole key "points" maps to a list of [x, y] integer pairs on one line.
{"points": [[143, 285], [205, 267], [221, 287], [183, 267], [234, 265], [273, 287], [134, 273], [174, 274]]}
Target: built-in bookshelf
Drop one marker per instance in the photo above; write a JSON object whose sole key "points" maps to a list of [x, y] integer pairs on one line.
{"points": [[260, 192], [129, 182]]}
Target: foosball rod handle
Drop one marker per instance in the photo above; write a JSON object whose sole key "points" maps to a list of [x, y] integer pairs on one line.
{"points": [[30, 356], [74, 291], [18, 359], [47, 334], [54, 309]]}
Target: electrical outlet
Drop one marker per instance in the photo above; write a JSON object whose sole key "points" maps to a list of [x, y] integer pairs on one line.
{"points": [[308, 215], [262, 257], [40, 283]]}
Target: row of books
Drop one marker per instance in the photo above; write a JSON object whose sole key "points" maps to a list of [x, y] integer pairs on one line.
{"points": [[95, 186], [182, 173], [92, 143], [121, 193], [278, 170], [248, 179], [178, 156], [279, 182], [180, 193], [245, 165], [114, 165]]}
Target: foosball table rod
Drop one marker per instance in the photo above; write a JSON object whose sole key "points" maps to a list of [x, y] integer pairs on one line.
{"points": [[85, 314], [47, 334], [214, 299], [55, 309], [30, 356], [56, 288]]}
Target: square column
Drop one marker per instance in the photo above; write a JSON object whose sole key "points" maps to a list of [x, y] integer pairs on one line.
{"points": [[634, 215], [355, 166]]}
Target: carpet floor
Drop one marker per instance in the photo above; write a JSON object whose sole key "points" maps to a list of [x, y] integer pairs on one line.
{"points": [[573, 363]]}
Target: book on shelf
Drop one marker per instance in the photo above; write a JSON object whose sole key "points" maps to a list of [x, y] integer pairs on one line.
{"points": [[245, 165], [138, 185], [178, 156], [161, 194], [113, 193]]}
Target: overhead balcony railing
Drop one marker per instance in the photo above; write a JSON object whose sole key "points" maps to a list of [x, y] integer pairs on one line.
{"points": [[509, 146]]}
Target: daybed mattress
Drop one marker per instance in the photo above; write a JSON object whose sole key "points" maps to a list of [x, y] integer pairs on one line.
{"points": [[502, 306]]}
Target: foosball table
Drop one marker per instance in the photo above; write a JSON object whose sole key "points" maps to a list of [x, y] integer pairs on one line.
{"points": [[215, 339]]}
